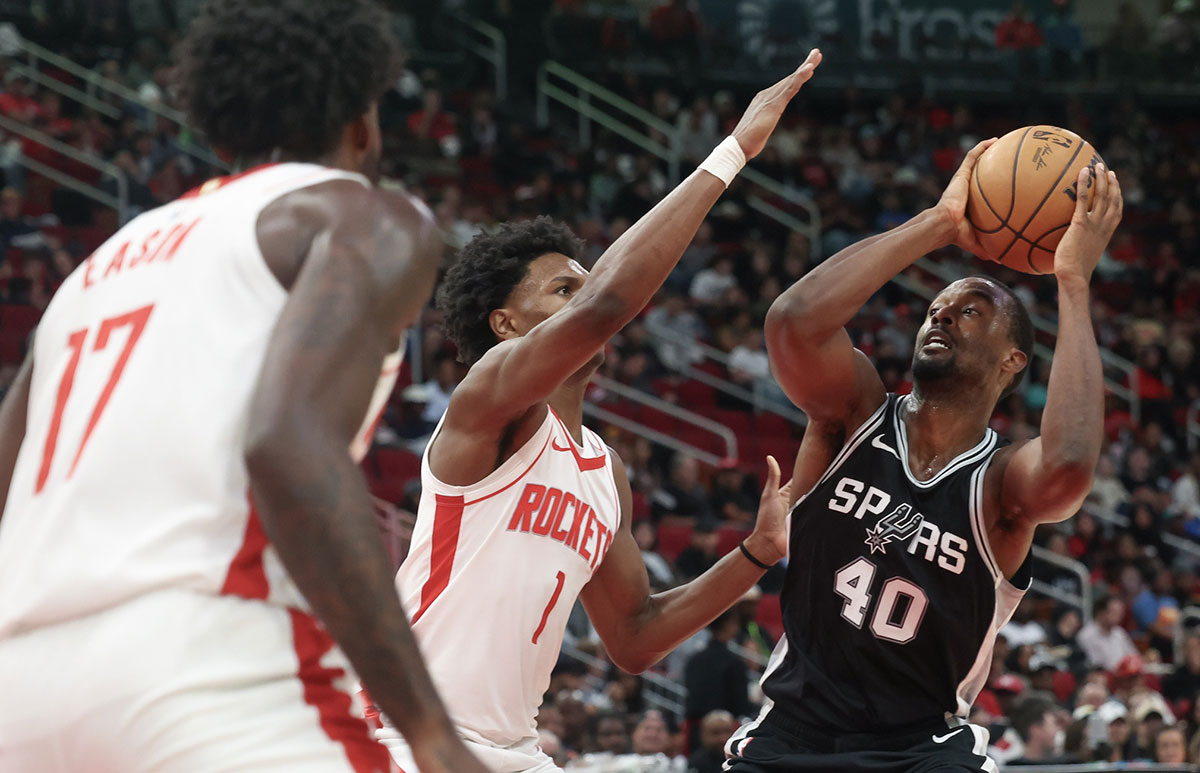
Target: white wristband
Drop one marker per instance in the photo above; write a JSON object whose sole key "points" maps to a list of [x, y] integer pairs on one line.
{"points": [[726, 160]]}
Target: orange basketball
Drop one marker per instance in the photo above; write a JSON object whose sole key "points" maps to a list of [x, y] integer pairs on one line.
{"points": [[1023, 195]]}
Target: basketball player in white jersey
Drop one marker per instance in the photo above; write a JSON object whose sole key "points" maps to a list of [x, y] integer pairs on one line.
{"points": [[523, 509], [224, 348]]}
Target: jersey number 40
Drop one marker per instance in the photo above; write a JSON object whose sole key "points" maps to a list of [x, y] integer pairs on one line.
{"points": [[898, 611]]}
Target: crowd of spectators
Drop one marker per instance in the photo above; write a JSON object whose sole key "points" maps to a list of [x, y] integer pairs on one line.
{"points": [[1118, 688]]}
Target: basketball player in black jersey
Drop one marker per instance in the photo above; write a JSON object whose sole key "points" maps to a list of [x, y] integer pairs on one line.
{"points": [[909, 550]]}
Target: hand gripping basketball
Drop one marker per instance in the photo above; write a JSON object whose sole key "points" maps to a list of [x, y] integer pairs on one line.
{"points": [[953, 203], [1091, 228]]}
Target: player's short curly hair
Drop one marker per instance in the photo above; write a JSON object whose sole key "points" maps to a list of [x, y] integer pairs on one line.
{"points": [[1020, 329], [256, 75], [487, 271]]}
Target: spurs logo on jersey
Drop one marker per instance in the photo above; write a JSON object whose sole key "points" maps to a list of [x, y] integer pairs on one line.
{"points": [[928, 540], [892, 597]]}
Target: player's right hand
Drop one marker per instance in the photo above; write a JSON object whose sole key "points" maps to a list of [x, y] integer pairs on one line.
{"points": [[953, 204], [1090, 229], [761, 117]]}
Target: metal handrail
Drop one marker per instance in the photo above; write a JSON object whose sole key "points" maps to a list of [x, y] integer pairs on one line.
{"points": [[1084, 600], [496, 54], [651, 434], [1193, 427], [70, 92], [659, 691], [588, 113], [121, 203], [723, 385], [589, 90], [671, 409], [95, 81], [1116, 519]]}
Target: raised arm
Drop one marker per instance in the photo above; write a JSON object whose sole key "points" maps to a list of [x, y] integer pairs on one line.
{"points": [[525, 371], [12, 425], [367, 267], [1046, 479], [810, 351], [639, 629]]}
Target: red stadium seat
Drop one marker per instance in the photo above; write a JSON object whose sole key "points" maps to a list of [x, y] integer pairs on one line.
{"points": [[673, 538], [728, 538], [18, 319], [770, 616]]}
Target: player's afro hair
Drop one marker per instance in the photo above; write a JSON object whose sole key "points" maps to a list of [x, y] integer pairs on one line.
{"points": [[487, 271], [256, 75]]}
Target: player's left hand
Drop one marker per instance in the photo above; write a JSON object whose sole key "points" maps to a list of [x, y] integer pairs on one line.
{"points": [[769, 541], [953, 204], [761, 117], [1091, 226]]}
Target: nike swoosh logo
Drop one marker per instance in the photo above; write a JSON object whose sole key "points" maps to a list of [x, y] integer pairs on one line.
{"points": [[877, 441], [947, 736]]}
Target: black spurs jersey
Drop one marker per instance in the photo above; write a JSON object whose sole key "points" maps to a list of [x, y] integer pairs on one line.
{"points": [[893, 598]]}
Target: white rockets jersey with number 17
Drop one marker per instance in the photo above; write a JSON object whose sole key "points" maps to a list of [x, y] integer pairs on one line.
{"points": [[493, 572], [130, 478]]}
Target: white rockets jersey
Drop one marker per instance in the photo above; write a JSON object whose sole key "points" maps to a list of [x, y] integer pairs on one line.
{"points": [[494, 569], [131, 477]]}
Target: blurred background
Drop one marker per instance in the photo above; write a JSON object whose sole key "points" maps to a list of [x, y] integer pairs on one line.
{"points": [[590, 112]]}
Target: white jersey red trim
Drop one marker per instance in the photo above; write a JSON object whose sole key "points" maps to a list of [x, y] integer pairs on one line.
{"points": [[493, 572], [131, 477]]}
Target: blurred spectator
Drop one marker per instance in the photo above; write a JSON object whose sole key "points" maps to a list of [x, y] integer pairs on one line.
{"points": [[1103, 640], [1107, 489], [609, 734], [715, 677], [682, 494], [1064, 40], [698, 557], [715, 729], [1185, 492], [1023, 629], [446, 375], [710, 285], [433, 127], [675, 326], [1183, 683], [1170, 746], [676, 32], [657, 567], [1019, 35], [1036, 721], [17, 230]]}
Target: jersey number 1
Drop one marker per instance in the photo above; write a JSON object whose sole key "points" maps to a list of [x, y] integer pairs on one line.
{"points": [[853, 583], [136, 322]]}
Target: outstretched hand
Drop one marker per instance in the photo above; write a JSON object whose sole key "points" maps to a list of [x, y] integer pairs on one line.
{"points": [[761, 117], [1096, 217], [769, 542], [953, 204]]}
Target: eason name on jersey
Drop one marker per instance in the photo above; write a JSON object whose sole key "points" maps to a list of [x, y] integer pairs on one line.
{"points": [[542, 510], [902, 523]]}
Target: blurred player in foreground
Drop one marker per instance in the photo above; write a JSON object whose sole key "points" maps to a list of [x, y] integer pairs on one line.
{"points": [[239, 341]]}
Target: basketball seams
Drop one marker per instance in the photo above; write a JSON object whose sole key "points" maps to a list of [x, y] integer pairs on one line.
{"points": [[1050, 192], [1012, 206]]}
